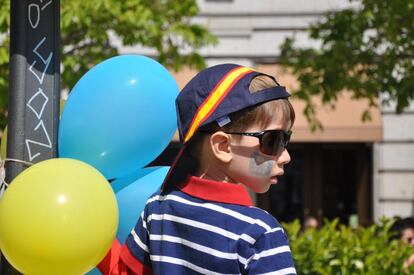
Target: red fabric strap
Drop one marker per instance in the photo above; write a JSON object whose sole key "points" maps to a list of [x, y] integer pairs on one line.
{"points": [[119, 261], [134, 264], [111, 259]]}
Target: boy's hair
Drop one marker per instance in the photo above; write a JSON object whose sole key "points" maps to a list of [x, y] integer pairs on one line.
{"points": [[400, 225], [228, 95]]}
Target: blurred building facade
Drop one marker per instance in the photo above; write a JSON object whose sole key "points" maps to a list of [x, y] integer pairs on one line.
{"points": [[351, 169]]}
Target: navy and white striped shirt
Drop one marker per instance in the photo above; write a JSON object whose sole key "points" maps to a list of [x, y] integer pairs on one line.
{"points": [[209, 227]]}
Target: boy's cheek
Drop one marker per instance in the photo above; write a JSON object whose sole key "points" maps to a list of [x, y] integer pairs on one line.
{"points": [[260, 165]]}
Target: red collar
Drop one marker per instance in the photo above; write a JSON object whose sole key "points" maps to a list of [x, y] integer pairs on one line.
{"points": [[216, 191]]}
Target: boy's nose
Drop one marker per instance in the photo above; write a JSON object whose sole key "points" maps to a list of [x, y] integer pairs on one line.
{"points": [[284, 158]]}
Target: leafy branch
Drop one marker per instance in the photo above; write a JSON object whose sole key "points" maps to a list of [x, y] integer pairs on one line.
{"points": [[367, 51]]}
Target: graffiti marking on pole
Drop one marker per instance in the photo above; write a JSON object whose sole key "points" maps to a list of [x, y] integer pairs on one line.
{"points": [[42, 56], [31, 142], [45, 61]]}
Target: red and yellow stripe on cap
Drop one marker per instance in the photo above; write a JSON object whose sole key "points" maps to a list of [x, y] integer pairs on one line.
{"points": [[216, 96]]}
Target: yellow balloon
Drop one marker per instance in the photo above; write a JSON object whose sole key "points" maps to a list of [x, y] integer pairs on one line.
{"points": [[59, 216], [3, 146]]}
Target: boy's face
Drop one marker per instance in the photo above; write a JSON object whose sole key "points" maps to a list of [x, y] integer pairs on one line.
{"points": [[408, 236], [250, 166]]}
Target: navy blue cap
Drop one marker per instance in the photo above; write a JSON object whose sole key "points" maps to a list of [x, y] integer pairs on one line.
{"points": [[216, 92]]}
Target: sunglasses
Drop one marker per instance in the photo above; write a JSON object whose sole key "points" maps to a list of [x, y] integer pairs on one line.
{"points": [[272, 142]]}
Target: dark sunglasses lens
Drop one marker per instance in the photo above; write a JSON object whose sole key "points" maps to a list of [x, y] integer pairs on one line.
{"points": [[274, 142]]}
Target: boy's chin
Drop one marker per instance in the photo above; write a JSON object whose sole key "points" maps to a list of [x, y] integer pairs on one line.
{"points": [[259, 186], [261, 190]]}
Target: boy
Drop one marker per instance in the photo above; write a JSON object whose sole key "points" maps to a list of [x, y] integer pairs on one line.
{"points": [[235, 125]]}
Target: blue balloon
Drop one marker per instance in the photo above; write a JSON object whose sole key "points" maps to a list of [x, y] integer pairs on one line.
{"points": [[133, 196], [120, 183], [132, 193], [94, 271], [120, 115]]}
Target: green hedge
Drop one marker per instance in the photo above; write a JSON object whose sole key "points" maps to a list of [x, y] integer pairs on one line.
{"points": [[338, 249]]}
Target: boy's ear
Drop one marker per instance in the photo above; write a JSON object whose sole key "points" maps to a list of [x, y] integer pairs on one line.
{"points": [[220, 146]]}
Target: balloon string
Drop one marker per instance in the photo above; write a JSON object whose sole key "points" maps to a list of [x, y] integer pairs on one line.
{"points": [[27, 163], [2, 168]]}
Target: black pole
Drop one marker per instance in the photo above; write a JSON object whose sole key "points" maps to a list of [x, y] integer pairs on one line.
{"points": [[34, 87]]}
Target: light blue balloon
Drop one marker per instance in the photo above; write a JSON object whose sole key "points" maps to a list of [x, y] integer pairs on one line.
{"points": [[133, 196], [120, 183], [94, 271], [120, 115]]}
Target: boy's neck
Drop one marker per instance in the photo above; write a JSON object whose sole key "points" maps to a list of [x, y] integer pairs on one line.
{"points": [[214, 173]]}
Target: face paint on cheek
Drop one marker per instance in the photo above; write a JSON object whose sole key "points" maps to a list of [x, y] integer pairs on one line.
{"points": [[260, 165]]}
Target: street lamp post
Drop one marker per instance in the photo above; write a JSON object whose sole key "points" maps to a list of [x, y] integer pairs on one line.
{"points": [[34, 87]]}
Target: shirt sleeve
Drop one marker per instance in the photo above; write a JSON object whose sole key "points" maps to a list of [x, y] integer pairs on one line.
{"points": [[271, 254], [130, 259]]}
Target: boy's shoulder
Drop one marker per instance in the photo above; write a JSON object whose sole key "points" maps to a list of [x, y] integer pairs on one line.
{"points": [[261, 222], [256, 215], [263, 215]]}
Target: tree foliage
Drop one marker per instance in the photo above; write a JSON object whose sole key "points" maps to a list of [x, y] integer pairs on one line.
{"points": [[86, 28], [368, 50], [4, 58]]}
